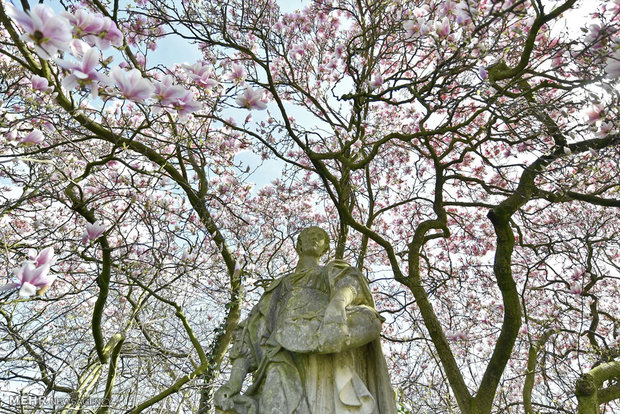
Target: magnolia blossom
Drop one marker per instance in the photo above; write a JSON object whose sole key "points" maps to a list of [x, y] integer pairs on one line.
{"points": [[40, 84], [411, 27], [141, 59], [456, 335], [593, 34], [251, 99], [462, 13], [96, 29], [92, 232], [594, 113], [33, 275], [201, 74], [34, 137], [443, 27], [166, 92], [447, 7], [131, 84], [376, 82], [612, 68], [187, 105], [78, 48], [83, 22], [83, 72], [45, 257], [237, 73], [44, 28], [605, 129], [175, 97], [298, 51], [483, 73], [575, 289], [11, 136]]}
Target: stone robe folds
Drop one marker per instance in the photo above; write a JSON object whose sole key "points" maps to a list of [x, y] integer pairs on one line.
{"points": [[292, 373]]}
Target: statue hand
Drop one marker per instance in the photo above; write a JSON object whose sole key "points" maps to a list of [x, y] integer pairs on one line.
{"points": [[223, 397]]}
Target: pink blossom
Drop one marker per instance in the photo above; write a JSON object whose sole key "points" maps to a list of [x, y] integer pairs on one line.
{"points": [[83, 22], [612, 68], [141, 59], [456, 335], [33, 276], [595, 32], [462, 13], [45, 257], [483, 73], [96, 29], [423, 28], [175, 97], [131, 84], [83, 72], [332, 64], [376, 82], [298, 51], [340, 49], [40, 84], [187, 105], [78, 48], [443, 27], [558, 60], [166, 92], [447, 6], [594, 113], [92, 232], [12, 135], [47, 125], [48, 32], [237, 73], [109, 35], [605, 129], [251, 99], [201, 74], [411, 27], [34, 137]]}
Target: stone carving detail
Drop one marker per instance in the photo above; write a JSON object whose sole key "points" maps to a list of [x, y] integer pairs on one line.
{"points": [[311, 343]]}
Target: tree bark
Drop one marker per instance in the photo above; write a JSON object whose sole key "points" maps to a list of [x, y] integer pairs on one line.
{"points": [[588, 387]]}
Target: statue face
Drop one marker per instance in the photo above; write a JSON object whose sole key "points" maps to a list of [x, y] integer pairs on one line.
{"points": [[312, 242]]}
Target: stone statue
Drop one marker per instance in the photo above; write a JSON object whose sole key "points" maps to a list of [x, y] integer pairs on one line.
{"points": [[311, 342]]}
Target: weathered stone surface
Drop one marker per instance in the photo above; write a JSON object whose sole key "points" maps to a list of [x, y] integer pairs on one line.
{"points": [[311, 343]]}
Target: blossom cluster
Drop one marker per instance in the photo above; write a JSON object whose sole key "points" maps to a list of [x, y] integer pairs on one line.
{"points": [[85, 35]]}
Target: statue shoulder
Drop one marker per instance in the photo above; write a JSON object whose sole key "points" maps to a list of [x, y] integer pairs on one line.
{"points": [[339, 272], [274, 284], [339, 269], [338, 264]]}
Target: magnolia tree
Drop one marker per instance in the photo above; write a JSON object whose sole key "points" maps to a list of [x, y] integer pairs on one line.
{"points": [[463, 154]]}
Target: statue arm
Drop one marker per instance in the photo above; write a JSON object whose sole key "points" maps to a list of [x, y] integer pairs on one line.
{"points": [[243, 362], [342, 297], [238, 372], [345, 323]]}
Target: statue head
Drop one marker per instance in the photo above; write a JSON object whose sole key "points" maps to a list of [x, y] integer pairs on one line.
{"points": [[312, 241]]}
